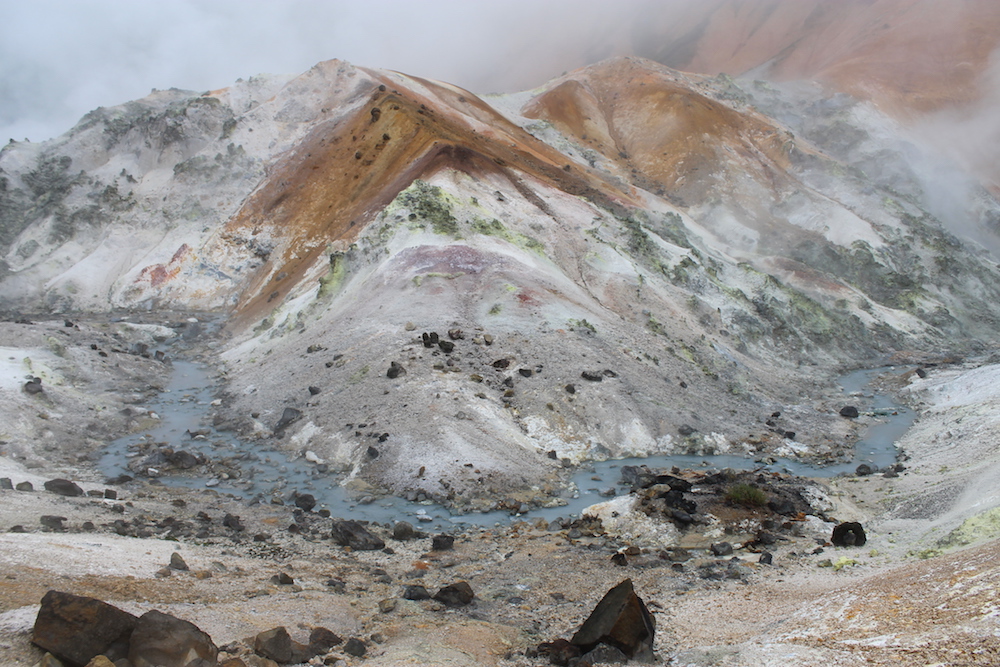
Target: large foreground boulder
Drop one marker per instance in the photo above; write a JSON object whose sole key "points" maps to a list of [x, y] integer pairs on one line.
{"points": [[162, 640], [76, 628], [619, 620]]}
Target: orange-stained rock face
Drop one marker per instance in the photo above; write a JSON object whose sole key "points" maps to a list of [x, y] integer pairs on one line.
{"points": [[343, 172], [658, 127]]}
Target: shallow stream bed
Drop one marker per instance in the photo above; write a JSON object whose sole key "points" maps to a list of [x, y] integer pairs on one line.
{"points": [[183, 407]]}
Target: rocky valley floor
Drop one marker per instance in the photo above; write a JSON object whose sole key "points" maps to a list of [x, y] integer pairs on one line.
{"points": [[922, 590]]}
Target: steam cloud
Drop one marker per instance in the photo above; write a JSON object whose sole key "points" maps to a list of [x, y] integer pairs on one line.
{"points": [[62, 58]]}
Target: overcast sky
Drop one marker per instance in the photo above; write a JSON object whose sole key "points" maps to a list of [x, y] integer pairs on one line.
{"points": [[62, 58]]}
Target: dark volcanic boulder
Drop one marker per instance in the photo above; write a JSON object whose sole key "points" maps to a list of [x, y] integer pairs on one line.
{"points": [[349, 533], [848, 534], [76, 628], [162, 640], [849, 411], [620, 620], [63, 487]]}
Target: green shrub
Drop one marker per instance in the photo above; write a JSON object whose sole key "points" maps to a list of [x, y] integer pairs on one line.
{"points": [[746, 494]]}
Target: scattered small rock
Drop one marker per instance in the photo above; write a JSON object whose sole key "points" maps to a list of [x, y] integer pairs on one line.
{"points": [[442, 542], [350, 533], [355, 647], [177, 562], [458, 594], [415, 592], [722, 549]]}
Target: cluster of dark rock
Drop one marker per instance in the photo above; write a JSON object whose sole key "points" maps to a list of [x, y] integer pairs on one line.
{"points": [[619, 629], [78, 631], [669, 495]]}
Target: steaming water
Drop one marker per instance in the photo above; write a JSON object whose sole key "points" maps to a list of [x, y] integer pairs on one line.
{"points": [[265, 474]]}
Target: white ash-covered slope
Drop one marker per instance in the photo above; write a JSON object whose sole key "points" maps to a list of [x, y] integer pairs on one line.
{"points": [[647, 228]]}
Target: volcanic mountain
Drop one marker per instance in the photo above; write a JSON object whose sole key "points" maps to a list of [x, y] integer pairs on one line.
{"points": [[458, 296]]}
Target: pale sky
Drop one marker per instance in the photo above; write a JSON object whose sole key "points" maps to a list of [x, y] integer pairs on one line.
{"points": [[60, 59]]}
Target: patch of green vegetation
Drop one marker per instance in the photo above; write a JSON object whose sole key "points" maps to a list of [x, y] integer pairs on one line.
{"points": [[231, 164], [358, 375], [420, 277], [496, 228], [582, 324], [982, 526], [334, 278], [745, 494], [430, 204], [495, 309]]}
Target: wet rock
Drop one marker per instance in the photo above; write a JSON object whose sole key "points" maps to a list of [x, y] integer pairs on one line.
{"points": [[355, 647], [33, 386], [305, 501], [621, 620], [849, 411], [396, 369], [177, 562], [442, 542], [162, 640], [458, 594], [288, 416], [76, 628], [350, 533], [184, 459], [864, 470], [415, 592], [848, 534], [63, 487]]}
